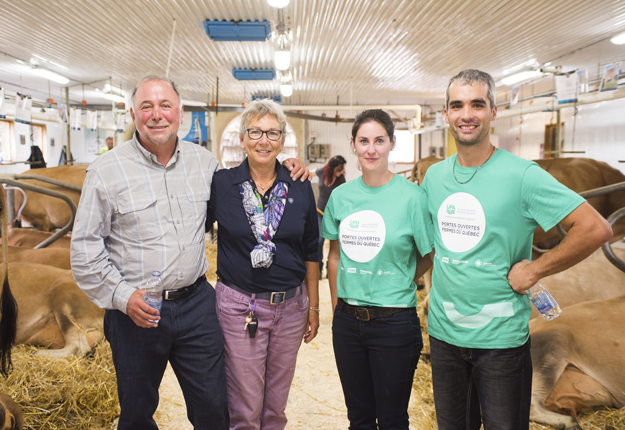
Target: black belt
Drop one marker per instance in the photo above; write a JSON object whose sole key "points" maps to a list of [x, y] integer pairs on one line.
{"points": [[275, 298], [367, 313], [184, 292]]}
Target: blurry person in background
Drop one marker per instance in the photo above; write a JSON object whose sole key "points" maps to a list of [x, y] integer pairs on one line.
{"points": [[108, 147], [378, 227], [267, 264], [331, 175]]}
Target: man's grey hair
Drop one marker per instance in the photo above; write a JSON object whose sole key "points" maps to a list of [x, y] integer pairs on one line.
{"points": [[468, 77], [160, 78], [258, 109]]}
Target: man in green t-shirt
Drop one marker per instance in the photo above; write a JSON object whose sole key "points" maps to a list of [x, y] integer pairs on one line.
{"points": [[485, 204]]}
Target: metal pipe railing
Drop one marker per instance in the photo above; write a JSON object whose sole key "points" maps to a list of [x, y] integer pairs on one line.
{"points": [[607, 247], [11, 180]]}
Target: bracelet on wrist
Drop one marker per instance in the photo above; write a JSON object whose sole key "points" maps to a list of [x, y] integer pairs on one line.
{"points": [[314, 309]]}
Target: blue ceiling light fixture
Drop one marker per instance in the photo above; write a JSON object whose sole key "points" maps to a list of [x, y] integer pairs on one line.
{"points": [[254, 74], [237, 31]]}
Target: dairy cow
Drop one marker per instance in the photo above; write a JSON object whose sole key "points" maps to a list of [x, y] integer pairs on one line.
{"points": [[46, 212], [583, 174], [30, 238], [578, 361], [11, 417], [55, 257], [594, 278], [52, 311]]}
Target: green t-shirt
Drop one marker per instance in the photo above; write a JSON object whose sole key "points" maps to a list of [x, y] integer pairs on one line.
{"points": [[379, 230], [481, 229]]}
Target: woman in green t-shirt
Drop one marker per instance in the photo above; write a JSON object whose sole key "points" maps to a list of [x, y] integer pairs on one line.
{"points": [[377, 225]]}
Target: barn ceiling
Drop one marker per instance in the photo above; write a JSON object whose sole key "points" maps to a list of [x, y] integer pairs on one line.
{"points": [[356, 51]]}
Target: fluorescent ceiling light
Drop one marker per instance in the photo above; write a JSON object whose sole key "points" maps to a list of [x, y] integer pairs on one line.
{"points": [[194, 103], [283, 60], [521, 76], [115, 98], [54, 77], [114, 90], [619, 39], [527, 64], [286, 90], [49, 61], [278, 3]]}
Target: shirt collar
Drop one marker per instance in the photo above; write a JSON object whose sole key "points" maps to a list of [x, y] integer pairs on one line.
{"points": [[151, 158]]}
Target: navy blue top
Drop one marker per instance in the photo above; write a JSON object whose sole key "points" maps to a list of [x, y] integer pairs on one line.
{"points": [[296, 239], [324, 190]]}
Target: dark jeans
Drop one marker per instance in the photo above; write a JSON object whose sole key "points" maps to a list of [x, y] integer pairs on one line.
{"points": [[499, 381], [321, 240], [376, 361], [189, 337]]}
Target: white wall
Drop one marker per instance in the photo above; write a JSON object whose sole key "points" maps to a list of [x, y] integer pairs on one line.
{"points": [[598, 130]]}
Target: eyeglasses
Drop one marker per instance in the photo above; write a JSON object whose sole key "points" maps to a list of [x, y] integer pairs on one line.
{"points": [[255, 134]]}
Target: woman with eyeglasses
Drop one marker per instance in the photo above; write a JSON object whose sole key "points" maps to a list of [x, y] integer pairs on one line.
{"points": [[267, 264], [378, 228]]}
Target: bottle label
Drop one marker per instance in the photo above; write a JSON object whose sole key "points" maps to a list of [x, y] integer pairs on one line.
{"points": [[544, 302], [155, 302]]}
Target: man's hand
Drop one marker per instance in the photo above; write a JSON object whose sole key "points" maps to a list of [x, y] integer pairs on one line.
{"points": [[521, 277], [313, 326], [140, 312], [297, 168]]}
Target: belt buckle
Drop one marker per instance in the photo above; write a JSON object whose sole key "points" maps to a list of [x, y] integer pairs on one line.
{"points": [[280, 295], [362, 314], [167, 294]]}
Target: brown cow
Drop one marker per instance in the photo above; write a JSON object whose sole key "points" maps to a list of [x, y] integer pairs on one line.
{"points": [[583, 174], [10, 414], [422, 166], [55, 257], [578, 361], [594, 278], [53, 312], [46, 212], [30, 238]]}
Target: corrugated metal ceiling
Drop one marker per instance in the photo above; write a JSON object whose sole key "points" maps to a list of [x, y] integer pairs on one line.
{"points": [[363, 51]]}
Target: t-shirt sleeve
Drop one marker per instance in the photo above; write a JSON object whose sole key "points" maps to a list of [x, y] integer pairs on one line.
{"points": [[422, 227], [319, 173], [330, 225], [545, 200]]}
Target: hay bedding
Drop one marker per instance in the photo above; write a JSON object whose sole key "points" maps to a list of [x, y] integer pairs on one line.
{"points": [[63, 393], [80, 393]]}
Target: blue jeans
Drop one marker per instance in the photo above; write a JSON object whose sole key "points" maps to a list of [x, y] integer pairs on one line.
{"points": [[189, 337], [376, 361], [497, 381]]}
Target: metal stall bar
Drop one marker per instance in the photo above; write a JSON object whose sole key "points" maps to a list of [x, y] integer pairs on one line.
{"points": [[10, 180]]}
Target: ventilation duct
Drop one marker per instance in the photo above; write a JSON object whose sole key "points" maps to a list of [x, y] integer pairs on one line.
{"points": [[254, 74], [237, 31]]}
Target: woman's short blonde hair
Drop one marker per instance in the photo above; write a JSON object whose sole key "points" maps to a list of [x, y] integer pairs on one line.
{"points": [[258, 109]]}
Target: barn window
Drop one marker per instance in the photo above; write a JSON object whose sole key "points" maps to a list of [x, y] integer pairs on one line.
{"points": [[6, 140], [404, 151]]}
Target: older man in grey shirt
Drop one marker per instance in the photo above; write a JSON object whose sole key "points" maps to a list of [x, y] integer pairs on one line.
{"points": [[143, 208]]}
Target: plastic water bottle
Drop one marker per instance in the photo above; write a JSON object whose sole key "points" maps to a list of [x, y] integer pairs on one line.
{"points": [[153, 295], [544, 302]]}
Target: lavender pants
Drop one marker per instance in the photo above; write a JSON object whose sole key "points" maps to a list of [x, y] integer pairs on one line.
{"points": [[259, 371]]}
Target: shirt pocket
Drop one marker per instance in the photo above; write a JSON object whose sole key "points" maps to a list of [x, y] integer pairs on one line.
{"points": [[194, 204], [138, 214]]}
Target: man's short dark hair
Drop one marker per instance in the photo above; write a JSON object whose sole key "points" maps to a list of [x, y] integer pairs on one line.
{"points": [[467, 77]]}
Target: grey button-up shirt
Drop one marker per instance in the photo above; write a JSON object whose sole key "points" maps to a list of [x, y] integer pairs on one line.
{"points": [[136, 216]]}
